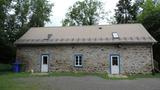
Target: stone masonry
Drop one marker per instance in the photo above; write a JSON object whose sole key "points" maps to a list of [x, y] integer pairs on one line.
{"points": [[134, 58]]}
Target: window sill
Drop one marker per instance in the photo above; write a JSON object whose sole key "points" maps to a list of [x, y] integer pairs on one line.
{"points": [[78, 66]]}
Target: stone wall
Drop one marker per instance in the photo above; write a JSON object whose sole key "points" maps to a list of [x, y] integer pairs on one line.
{"points": [[96, 58]]}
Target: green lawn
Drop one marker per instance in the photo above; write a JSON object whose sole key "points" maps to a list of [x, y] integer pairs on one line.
{"points": [[136, 76], [5, 67], [10, 80], [78, 74]]}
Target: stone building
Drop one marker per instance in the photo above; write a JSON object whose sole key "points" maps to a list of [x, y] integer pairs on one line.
{"points": [[115, 49]]}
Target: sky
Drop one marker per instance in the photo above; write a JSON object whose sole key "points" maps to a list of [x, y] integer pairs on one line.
{"points": [[61, 7]]}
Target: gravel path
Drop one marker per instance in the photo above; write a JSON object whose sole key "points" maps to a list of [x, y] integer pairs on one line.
{"points": [[90, 83]]}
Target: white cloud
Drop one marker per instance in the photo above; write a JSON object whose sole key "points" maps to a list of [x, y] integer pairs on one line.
{"points": [[61, 6]]}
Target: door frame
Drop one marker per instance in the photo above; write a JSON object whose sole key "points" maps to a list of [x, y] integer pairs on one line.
{"points": [[116, 55], [41, 61]]}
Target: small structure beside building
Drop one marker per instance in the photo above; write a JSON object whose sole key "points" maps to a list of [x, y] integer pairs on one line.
{"points": [[115, 49]]}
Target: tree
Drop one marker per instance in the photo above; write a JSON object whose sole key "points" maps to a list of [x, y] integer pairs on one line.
{"points": [[4, 5], [22, 11], [150, 18], [5, 45], [15, 22], [25, 14], [28, 13], [40, 12], [147, 8], [126, 12], [87, 12]]}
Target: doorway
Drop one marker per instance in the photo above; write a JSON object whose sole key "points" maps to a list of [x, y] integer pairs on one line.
{"points": [[44, 63], [115, 64]]}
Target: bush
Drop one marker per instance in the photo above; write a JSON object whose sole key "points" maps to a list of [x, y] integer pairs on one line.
{"points": [[5, 67]]}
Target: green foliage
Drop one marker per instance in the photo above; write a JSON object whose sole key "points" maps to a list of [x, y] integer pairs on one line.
{"points": [[150, 18], [25, 14], [6, 50], [7, 53], [40, 13], [136, 76], [4, 5], [126, 12], [86, 12], [22, 11], [152, 23], [148, 7], [5, 67]]}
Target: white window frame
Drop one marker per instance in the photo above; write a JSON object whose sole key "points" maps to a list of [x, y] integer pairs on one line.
{"points": [[75, 61]]}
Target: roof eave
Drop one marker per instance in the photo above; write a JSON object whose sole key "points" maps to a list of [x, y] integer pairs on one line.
{"points": [[85, 43]]}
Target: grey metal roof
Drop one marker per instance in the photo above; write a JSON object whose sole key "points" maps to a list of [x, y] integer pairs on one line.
{"points": [[128, 33]]}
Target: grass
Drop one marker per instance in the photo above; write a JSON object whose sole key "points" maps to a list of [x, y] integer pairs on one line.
{"points": [[10, 80], [78, 74], [104, 75], [136, 76], [5, 67]]}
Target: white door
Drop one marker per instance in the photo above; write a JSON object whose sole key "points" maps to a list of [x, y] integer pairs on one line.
{"points": [[115, 64], [44, 63]]}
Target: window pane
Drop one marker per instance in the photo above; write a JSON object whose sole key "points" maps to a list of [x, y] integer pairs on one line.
{"points": [[80, 62], [80, 57], [76, 62], [114, 61], [114, 58], [45, 59], [76, 57]]}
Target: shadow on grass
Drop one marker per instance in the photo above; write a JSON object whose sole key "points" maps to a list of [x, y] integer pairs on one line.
{"points": [[137, 76]]}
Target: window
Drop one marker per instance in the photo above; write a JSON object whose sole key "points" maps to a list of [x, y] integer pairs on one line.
{"points": [[78, 60], [44, 59], [114, 60], [115, 35]]}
